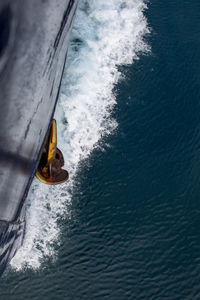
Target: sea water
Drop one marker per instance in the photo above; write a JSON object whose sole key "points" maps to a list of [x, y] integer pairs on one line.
{"points": [[126, 224]]}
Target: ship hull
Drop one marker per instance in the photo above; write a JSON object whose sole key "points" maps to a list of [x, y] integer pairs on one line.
{"points": [[33, 45]]}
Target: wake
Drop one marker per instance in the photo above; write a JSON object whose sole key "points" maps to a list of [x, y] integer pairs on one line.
{"points": [[105, 34]]}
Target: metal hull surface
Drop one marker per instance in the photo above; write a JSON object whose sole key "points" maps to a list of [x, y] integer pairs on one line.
{"points": [[33, 45]]}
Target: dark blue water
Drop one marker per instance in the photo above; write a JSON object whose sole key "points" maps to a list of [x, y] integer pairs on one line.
{"points": [[134, 228]]}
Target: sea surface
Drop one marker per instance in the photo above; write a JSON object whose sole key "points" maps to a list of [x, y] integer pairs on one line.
{"points": [[127, 224]]}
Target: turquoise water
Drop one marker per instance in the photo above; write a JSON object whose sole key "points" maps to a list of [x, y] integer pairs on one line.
{"points": [[129, 228]]}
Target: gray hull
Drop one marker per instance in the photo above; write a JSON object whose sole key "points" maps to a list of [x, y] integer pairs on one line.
{"points": [[34, 37]]}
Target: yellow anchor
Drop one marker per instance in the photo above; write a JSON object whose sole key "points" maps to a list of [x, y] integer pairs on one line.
{"points": [[50, 167]]}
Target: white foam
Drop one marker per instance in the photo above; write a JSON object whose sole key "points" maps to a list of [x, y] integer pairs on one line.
{"points": [[106, 34]]}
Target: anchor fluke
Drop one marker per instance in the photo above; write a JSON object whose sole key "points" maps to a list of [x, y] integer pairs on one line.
{"points": [[50, 167]]}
